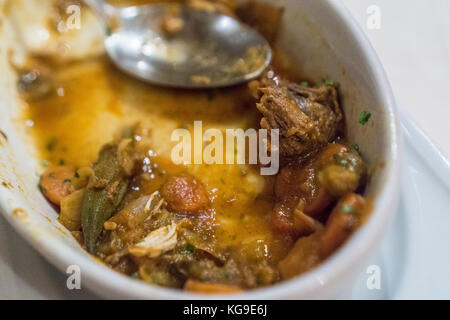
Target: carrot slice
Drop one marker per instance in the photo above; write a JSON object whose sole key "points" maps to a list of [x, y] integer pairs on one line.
{"points": [[210, 288], [56, 183]]}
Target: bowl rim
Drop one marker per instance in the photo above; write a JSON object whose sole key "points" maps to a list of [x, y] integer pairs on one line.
{"points": [[326, 274]]}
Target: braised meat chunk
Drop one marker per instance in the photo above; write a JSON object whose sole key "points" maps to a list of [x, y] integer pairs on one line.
{"points": [[307, 118]]}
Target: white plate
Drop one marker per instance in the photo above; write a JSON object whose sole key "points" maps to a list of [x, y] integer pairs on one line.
{"points": [[413, 258]]}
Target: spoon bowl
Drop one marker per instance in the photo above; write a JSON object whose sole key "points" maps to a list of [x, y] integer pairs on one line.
{"points": [[180, 46]]}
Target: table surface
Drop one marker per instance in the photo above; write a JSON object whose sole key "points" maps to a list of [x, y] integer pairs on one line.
{"points": [[413, 43]]}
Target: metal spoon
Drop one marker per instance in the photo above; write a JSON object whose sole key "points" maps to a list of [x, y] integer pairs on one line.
{"points": [[180, 46]]}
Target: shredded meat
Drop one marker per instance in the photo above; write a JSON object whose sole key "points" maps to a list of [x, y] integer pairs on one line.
{"points": [[307, 118]]}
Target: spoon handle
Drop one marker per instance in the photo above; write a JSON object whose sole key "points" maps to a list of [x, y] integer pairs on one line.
{"points": [[102, 8]]}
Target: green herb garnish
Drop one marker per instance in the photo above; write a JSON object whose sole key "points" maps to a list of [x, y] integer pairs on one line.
{"points": [[76, 175], [67, 180], [61, 162], [328, 83], [364, 117], [190, 248]]}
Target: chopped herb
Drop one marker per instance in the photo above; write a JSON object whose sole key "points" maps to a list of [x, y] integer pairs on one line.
{"points": [[108, 31], [305, 84], [356, 148], [61, 162], [346, 208], [51, 144], [134, 275], [190, 248], [44, 163], [328, 83], [364, 117], [321, 176], [67, 180], [339, 160], [76, 175]]}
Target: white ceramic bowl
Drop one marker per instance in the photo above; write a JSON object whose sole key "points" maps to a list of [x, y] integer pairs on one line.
{"points": [[325, 42]]}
